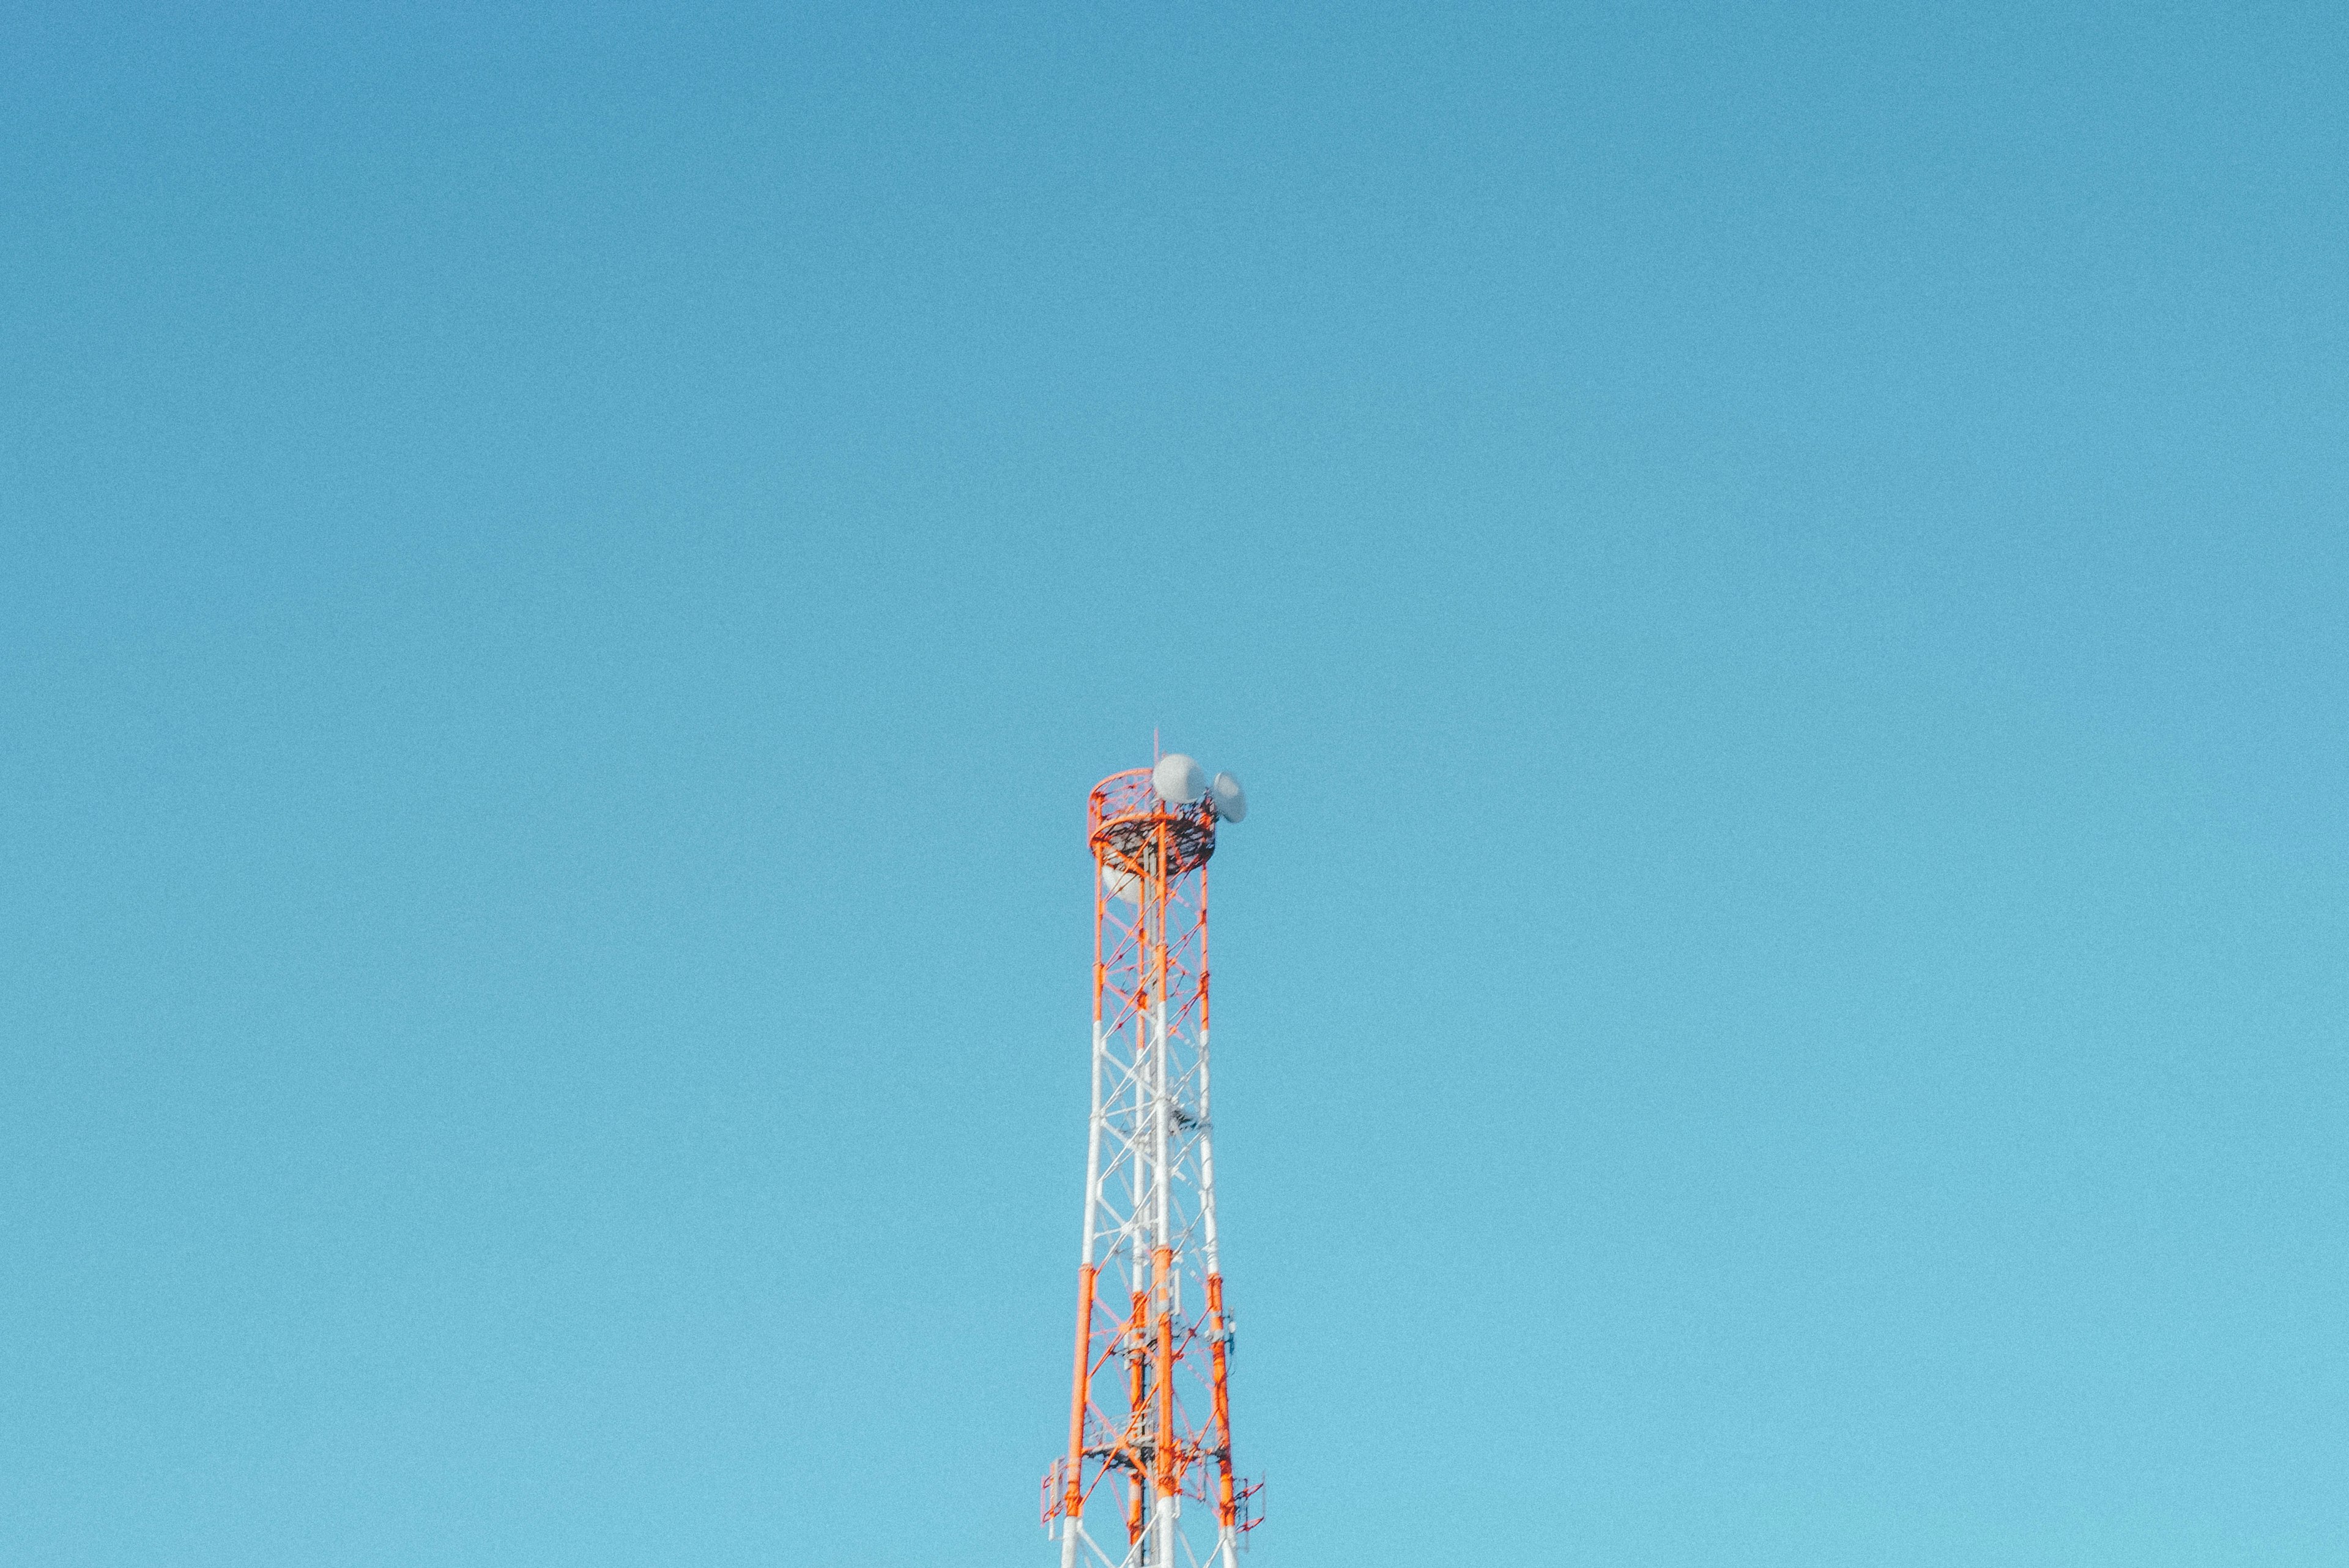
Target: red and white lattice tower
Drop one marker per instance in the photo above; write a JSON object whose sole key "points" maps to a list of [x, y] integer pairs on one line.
{"points": [[1147, 1480]]}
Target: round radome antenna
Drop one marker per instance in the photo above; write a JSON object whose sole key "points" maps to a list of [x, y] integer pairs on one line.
{"points": [[1121, 883], [1231, 801], [1178, 780]]}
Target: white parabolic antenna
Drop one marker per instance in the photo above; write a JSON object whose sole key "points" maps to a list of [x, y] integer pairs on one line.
{"points": [[1121, 883], [1231, 801], [1178, 780]]}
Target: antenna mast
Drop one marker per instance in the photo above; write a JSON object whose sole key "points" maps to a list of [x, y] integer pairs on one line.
{"points": [[1150, 1414]]}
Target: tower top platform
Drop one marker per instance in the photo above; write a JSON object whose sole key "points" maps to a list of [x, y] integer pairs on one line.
{"points": [[1131, 826]]}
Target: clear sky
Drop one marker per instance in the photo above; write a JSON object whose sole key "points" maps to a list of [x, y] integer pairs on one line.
{"points": [[1776, 574]]}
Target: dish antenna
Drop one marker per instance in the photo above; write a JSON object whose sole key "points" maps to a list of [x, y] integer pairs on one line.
{"points": [[1231, 801], [1178, 780], [1121, 883]]}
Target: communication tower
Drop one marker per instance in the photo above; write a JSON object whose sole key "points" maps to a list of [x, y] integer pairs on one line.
{"points": [[1147, 1480]]}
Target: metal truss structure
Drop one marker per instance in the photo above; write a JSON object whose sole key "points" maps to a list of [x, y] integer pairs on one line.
{"points": [[1147, 1481]]}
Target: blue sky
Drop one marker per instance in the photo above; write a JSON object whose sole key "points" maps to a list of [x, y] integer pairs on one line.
{"points": [[1776, 575]]}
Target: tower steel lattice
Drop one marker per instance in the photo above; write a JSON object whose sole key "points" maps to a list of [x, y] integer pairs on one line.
{"points": [[1147, 1480]]}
